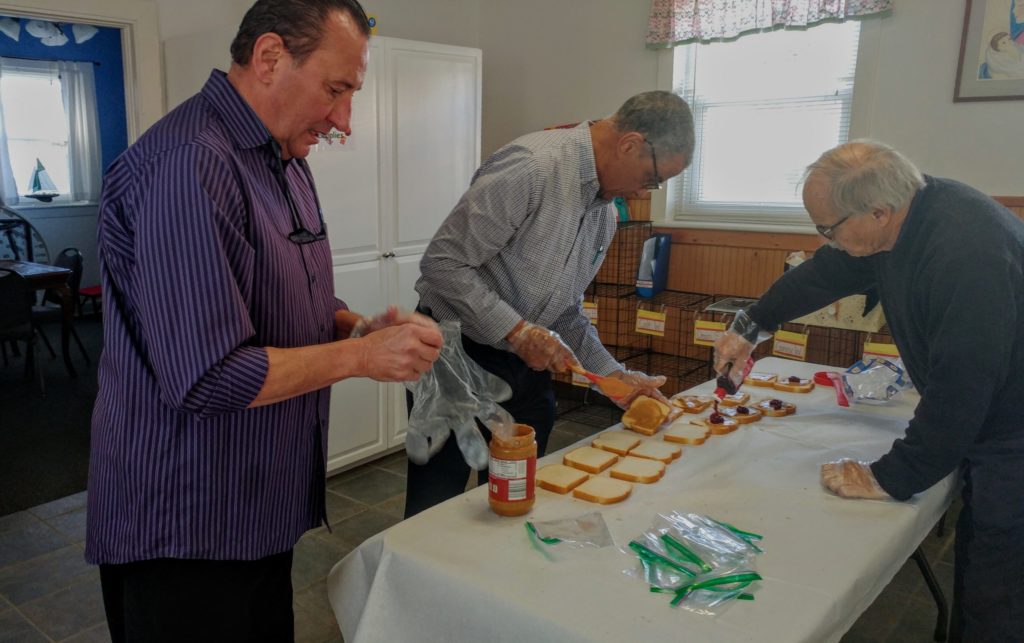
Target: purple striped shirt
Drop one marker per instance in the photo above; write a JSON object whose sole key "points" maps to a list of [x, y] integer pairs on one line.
{"points": [[198, 276]]}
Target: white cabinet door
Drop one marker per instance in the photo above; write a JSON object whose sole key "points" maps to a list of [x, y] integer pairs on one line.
{"points": [[347, 177], [359, 413], [404, 272], [434, 123]]}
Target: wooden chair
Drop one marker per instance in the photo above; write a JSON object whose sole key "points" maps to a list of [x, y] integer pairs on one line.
{"points": [[51, 310], [16, 319]]}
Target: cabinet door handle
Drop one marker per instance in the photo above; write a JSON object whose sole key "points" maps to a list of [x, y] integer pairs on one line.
{"points": [[388, 255]]}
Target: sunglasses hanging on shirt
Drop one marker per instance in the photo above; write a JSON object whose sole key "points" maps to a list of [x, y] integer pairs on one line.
{"points": [[299, 235]]}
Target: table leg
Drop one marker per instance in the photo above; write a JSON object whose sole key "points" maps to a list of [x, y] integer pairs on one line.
{"points": [[67, 308]]}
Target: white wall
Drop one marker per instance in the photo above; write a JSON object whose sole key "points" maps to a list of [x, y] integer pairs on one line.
{"points": [[556, 61], [908, 101], [548, 62]]}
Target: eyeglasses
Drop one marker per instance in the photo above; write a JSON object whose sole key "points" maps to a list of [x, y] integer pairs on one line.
{"points": [[829, 231], [656, 183], [299, 234]]}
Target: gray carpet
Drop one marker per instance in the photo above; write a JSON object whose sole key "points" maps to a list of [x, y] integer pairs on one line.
{"points": [[44, 438]]}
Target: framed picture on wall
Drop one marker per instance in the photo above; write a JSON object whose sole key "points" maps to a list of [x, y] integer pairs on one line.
{"points": [[991, 63]]}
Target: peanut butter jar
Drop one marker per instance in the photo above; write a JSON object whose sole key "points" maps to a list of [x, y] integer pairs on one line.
{"points": [[513, 472]]}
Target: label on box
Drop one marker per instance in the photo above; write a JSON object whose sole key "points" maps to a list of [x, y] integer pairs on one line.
{"points": [[877, 349], [512, 480], [791, 345], [706, 333], [590, 311], [649, 322]]}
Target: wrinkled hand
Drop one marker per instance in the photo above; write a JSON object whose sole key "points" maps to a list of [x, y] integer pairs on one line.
{"points": [[852, 479], [400, 353], [642, 383], [732, 348], [541, 349], [393, 316]]}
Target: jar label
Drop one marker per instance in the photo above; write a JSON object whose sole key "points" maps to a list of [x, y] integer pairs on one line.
{"points": [[512, 480]]}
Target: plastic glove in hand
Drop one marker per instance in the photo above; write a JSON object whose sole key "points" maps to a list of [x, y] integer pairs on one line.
{"points": [[393, 316], [735, 346], [541, 349], [852, 479], [642, 383], [448, 398]]}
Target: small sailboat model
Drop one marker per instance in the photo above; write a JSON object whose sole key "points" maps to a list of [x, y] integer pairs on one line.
{"points": [[41, 186]]}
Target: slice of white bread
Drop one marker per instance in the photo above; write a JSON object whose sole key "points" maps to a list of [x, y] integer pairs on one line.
{"points": [[726, 426], [691, 403], [619, 442], [645, 415], [560, 478], [590, 459], [603, 491], [784, 408], [638, 470], [686, 433], [742, 414], [735, 399], [760, 379], [661, 451], [794, 384]]}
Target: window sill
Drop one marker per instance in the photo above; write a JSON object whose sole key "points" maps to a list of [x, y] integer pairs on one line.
{"points": [[56, 210]]}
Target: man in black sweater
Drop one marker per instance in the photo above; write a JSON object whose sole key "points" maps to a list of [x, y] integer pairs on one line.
{"points": [[947, 262]]}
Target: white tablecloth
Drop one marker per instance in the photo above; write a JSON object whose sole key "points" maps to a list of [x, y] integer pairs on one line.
{"points": [[458, 572]]}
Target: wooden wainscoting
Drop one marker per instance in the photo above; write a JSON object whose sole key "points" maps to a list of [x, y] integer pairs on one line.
{"points": [[1014, 203], [744, 264], [731, 263]]}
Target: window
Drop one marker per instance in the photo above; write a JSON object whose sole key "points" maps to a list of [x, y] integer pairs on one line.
{"points": [[37, 127], [765, 106], [48, 116]]}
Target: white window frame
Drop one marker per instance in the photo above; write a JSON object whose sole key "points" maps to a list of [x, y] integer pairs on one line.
{"points": [[40, 70], [762, 218]]}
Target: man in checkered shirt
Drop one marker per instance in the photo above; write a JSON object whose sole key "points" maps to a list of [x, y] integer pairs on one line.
{"points": [[513, 258]]}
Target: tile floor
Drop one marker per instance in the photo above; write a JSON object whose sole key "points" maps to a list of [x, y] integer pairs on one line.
{"points": [[48, 593]]}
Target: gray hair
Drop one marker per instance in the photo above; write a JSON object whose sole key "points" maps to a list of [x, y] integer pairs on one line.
{"points": [[300, 23], [663, 118], [864, 175]]}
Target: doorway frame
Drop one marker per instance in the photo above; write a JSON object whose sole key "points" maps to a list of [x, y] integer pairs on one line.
{"points": [[140, 47]]}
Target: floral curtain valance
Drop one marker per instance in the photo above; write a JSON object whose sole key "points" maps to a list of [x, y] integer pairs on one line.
{"points": [[674, 22]]}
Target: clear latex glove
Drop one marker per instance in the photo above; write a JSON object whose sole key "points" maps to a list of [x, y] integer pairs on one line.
{"points": [[448, 398], [393, 316], [852, 479], [731, 350], [541, 349], [736, 345], [644, 384]]}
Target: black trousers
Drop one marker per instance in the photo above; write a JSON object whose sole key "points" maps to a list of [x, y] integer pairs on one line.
{"points": [[988, 580], [173, 600], [532, 403]]}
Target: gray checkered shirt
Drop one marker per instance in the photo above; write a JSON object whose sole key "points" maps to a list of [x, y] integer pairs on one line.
{"points": [[524, 242]]}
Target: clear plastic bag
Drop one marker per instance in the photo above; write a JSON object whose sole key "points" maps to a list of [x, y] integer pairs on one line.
{"points": [[874, 381], [703, 563], [449, 398], [557, 538]]}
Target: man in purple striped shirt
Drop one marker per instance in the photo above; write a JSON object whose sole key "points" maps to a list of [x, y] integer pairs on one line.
{"points": [[222, 336]]}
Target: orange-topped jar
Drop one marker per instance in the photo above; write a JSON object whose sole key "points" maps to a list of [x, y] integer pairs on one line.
{"points": [[513, 472]]}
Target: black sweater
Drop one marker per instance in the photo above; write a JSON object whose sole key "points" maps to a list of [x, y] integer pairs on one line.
{"points": [[953, 293]]}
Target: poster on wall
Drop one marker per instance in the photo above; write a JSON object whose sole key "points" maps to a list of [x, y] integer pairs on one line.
{"points": [[991, 63]]}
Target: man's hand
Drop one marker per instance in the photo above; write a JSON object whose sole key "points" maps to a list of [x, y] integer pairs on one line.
{"points": [[399, 353], [393, 316], [642, 383], [540, 348], [852, 479], [732, 348]]}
